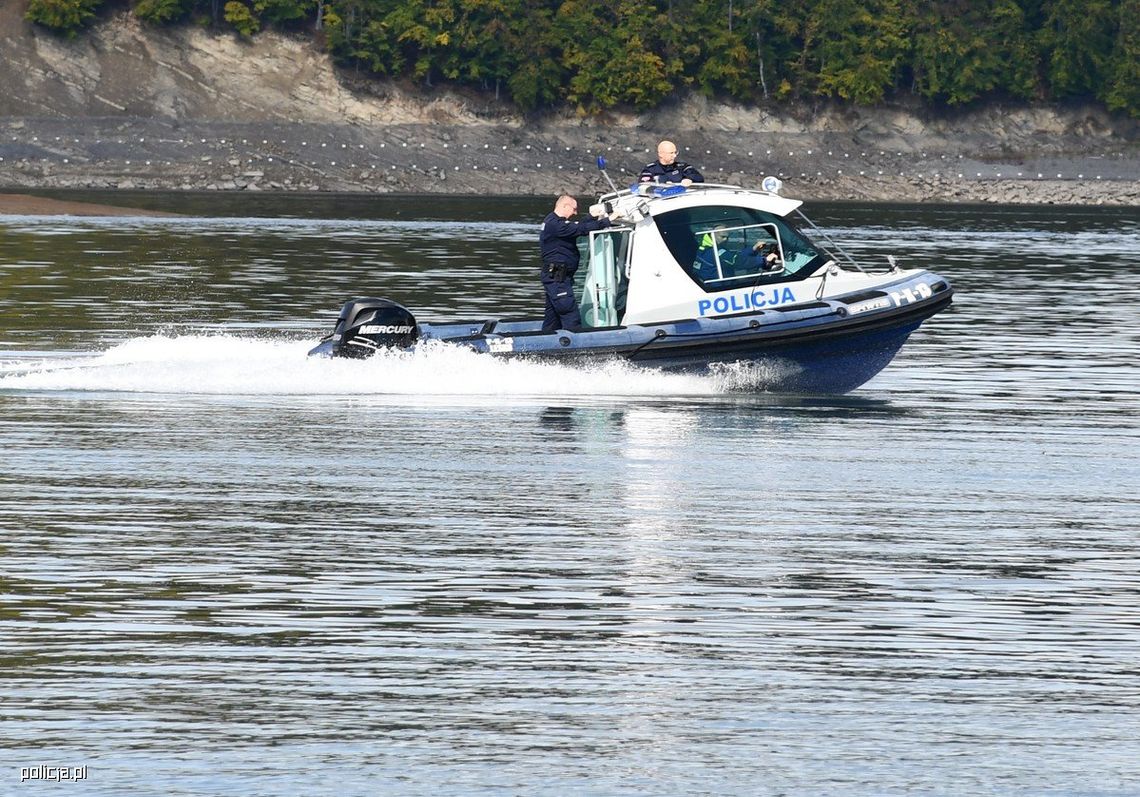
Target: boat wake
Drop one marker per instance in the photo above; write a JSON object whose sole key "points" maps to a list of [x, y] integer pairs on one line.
{"points": [[235, 365]]}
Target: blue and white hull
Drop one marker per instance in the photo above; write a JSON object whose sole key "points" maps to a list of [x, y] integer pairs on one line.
{"points": [[831, 346]]}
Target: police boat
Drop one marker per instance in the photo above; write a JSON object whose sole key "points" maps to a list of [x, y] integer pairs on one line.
{"points": [[698, 278]]}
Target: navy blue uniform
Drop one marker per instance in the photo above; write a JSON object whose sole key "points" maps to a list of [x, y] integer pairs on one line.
{"points": [[675, 172], [557, 242]]}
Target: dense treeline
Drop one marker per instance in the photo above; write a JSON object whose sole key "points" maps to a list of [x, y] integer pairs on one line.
{"points": [[598, 54]]}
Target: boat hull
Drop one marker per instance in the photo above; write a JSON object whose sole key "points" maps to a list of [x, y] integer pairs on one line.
{"points": [[829, 357], [826, 347], [833, 365]]}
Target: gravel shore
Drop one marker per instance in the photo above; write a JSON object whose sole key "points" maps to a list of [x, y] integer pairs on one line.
{"points": [[110, 153]]}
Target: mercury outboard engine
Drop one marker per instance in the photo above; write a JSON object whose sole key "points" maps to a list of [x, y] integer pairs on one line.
{"points": [[365, 325]]}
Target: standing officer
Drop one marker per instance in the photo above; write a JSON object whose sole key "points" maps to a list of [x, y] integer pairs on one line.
{"points": [[560, 260], [667, 169]]}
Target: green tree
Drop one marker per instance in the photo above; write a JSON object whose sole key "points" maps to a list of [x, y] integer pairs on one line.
{"points": [[1076, 41], [964, 50], [1122, 87], [536, 75], [162, 12], [852, 49], [608, 50], [730, 47], [284, 12], [507, 44], [491, 44], [66, 17], [423, 31], [241, 17], [356, 35]]}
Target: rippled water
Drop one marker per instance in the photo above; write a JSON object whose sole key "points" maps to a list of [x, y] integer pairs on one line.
{"points": [[228, 570]]}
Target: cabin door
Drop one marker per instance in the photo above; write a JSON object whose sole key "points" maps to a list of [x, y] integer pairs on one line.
{"points": [[604, 289]]}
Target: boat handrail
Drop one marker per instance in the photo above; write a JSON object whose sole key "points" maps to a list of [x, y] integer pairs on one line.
{"points": [[633, 190], [843, 252]]}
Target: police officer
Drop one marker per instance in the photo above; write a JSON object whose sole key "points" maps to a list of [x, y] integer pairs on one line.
{"points": [[557, 242], [667, 169], [762, 256]]}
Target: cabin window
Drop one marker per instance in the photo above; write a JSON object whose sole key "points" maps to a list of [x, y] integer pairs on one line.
{"points": [[726, 247]]}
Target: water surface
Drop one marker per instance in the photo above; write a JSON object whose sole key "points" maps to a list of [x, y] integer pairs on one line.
{"points": [[228, 569]]}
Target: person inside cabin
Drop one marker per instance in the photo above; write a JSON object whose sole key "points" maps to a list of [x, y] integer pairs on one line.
{"points": [[559, 249], [711, 250], [667, 169], [763, 257]]}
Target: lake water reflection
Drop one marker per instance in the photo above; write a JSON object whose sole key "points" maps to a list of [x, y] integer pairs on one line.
{"points": [[228, 570]]}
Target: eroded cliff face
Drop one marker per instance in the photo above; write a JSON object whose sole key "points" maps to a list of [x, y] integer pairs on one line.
{"points": [[119, 68]]}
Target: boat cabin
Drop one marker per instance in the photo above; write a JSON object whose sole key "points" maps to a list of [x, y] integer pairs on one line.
{"points": [[687, 252]]}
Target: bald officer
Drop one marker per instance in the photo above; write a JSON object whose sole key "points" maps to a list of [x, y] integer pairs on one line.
{"points": [[558, 243], [667, 169]]}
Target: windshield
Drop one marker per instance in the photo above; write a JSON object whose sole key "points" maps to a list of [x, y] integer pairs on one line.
{"points": [[724, 247]]}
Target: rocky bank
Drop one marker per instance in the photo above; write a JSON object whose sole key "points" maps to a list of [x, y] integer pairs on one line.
{"points": [[190, 110]]}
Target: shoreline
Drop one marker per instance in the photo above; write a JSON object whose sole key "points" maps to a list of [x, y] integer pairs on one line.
{"points": [[30, 205], [146, 154]]}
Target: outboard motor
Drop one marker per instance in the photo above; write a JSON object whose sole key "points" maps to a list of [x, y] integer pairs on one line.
{"points": [[365, 325]]}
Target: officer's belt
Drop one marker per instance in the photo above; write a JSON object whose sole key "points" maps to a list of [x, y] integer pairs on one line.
{"points": [[557, 271]]}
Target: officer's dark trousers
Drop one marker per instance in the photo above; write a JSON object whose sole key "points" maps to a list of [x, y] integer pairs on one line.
{"points": [[561, 308]]}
